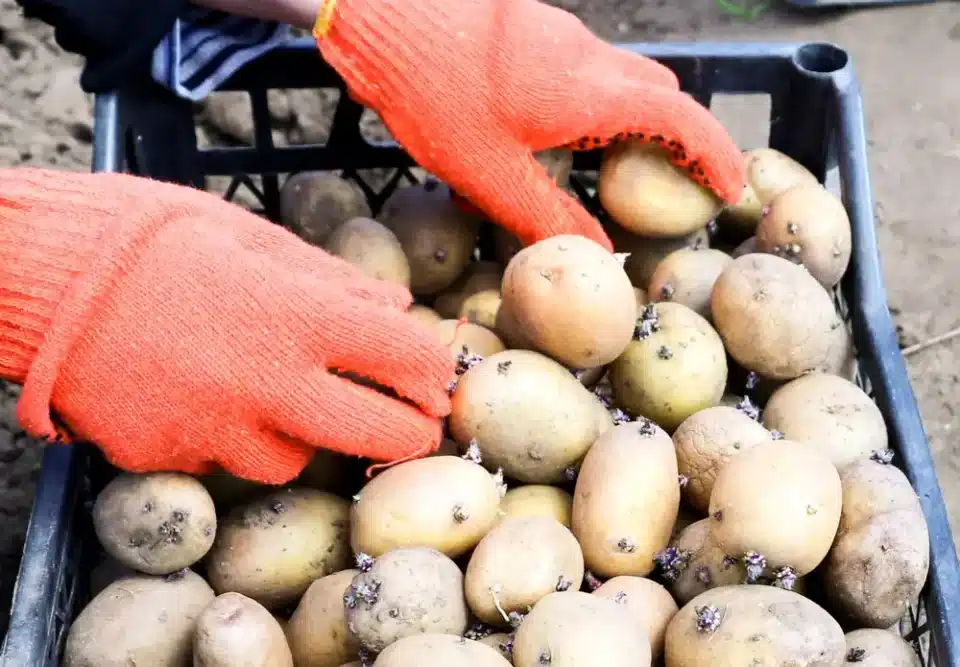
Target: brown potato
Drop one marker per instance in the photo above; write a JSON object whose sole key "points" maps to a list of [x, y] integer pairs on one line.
{"points": [[317, 631], [829, 413], [879, 648], [770, 172], [314, 203], [235, 631], [537, 500], [693, 563], [481, 308], [467, 340], [808, 225], [626, 499], [424, 314], [371, 247], [687, 276], [438, 649], [646, 253], [774, 317], [571, 299], [779, 500], [649, 603], [477, 277], [647, 194]]}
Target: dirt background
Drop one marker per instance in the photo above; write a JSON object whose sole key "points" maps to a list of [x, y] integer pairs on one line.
{"points": [[912, 94]]}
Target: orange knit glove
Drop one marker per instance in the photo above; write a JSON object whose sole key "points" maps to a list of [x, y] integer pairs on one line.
{"points": [[177, 331], [472, 88]]}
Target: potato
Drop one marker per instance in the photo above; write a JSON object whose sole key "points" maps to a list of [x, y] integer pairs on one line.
{"points": [[317, 631], [753, 625], [558, 162], [743, 217], [646, 253], [139, 620], [502, 642], [235, 631], [693, 563], [705, 441], [424, 314], [589, 377], [647, 194], [371, 247], [537, 500], [745, 248], [437, 236], [439, 649], [626, 499], [649, 603], [676, 366], [829, 413], [572, 300], [406, 592], [685, 517], [107, 571], [443, 502], [481, 308], [808, 225], [686, 276], [477, 277], [518, 562], [157, 523], [879, 648], [770, 172], [466, 340], [774, 317], [314, 203], [529, 415], [780, 501], [574, 628], [272, 548], [881, 555]]}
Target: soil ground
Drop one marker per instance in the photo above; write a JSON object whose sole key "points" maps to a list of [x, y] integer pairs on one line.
{"points": [[906, 61]]}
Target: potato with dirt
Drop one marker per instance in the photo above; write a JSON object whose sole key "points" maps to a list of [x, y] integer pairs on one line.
{"points": [[443, 502], [571, 299], [405, 592], [829, 413], [156, 523], [480, 276], [574, 628], [693, 563], [687, 276], [626, 499], [528, 415], [317, 631], [518, 562], [537, 500], [235, 631], [776, 506], [468, 341], [880, 558], [271, 549], [649, 603], [879, 648], [775, 318], [734, 626], [645, 253], [139, 620], [439, 649], [314, 203], [436, 235], [674, 367], [371, 247]]}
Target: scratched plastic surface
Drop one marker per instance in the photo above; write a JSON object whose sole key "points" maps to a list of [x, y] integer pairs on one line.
{"points": [[816, 116]]}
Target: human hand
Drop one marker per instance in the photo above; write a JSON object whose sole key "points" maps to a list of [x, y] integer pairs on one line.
{"points": [[178, 331]]}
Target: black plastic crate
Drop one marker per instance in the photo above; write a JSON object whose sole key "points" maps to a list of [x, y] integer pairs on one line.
{"points": [[816, 116]]}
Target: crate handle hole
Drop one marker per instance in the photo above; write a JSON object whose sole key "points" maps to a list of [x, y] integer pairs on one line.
{"points": [[821, 58]]}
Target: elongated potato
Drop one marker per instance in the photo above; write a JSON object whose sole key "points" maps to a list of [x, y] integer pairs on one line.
{"points": [[235, 631], [537, 500], [626, 499], [317, 631], [439, 649], [771, 172], [371, 247], [649, 603]]}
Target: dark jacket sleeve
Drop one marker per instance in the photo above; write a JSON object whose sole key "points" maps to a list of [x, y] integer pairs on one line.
{"points": [[116, 37]]}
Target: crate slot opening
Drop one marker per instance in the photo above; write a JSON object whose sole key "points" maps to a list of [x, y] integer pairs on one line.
{"points": [[746, 117]]}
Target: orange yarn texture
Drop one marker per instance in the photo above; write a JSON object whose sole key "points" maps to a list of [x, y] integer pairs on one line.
{"points": [[178, 331], [472, 88]]}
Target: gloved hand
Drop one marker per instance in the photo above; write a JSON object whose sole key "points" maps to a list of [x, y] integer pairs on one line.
{"points": [[177, 331], [472, 88]]}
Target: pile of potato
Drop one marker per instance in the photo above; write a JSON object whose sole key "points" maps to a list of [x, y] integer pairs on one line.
{"points": [[656, 461]]}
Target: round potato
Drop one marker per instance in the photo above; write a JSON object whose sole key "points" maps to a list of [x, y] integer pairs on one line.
{"points": [[777, 505], [881, 556], [406, 592], [481, 308], [537, 500], [528, 414], [687, 276], [646, 253], [558, 162], [502, 642], [371, 247], [139, 620], [770, 172], [676, 366], [271, 549], [443, 502], [424, 314], [650, 604], [705, 441], [235, 631], [808, 225], [829, 413], [439, 649], [477, 277], [774, 317], [626, 499], [732, 626], [879, 648], [647, 194], [157, 523], [693, 563], [107, 571], [437, 237], [314, 203], [572, 300], [317, 631], [745, 248], [518, 562], [574, 628], [468, 340]]}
